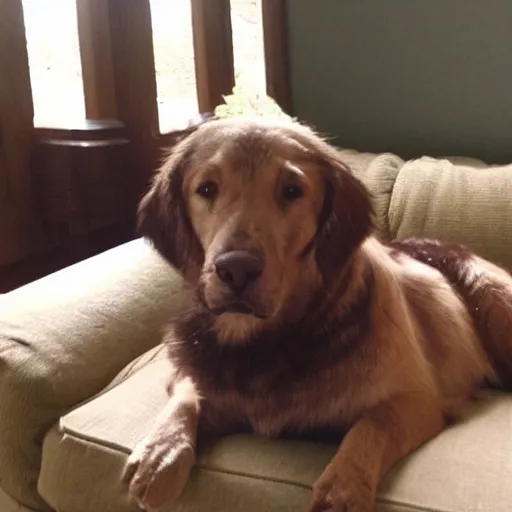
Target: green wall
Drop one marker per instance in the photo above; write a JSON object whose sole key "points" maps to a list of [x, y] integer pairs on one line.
{"points": [[409, 76]]}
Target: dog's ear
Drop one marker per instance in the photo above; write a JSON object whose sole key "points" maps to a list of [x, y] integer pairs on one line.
{"points": [[162, 215], [345, 220]]}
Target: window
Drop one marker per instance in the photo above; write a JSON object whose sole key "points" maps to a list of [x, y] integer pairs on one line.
{"points": [[55, 67], [174, 62], [54, 58], [248, 52], [174, 56]]}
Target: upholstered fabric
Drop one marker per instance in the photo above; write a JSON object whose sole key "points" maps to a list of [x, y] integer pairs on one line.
{"points": [[63, 338], [458, 200], [9, 504], [379, 173], [468, 468]]}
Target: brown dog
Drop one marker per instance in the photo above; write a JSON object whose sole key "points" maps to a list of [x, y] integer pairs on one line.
{"points": [[295, 317]]}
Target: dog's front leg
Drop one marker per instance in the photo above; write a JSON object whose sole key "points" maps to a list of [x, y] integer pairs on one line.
{"points": [[382, 436], [158, 469]]}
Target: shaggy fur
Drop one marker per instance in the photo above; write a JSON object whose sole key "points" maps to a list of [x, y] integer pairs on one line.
{"points": [[337, 331]]}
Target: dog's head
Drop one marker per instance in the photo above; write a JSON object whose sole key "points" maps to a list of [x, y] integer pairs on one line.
{"points": [[256, 215]]}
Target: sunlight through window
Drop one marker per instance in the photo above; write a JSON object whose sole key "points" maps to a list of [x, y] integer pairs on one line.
{"points": [[248, 52], [54, 58], [174, 63]]}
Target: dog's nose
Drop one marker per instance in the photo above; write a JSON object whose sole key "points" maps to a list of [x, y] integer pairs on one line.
{"points": [[238, 268]]}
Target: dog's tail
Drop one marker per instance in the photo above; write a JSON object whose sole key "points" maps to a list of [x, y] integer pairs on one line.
{"points": [[485, 288], [488, 296]]}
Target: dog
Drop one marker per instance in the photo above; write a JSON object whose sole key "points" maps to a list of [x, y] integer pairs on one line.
{"points": [[296, 317]]}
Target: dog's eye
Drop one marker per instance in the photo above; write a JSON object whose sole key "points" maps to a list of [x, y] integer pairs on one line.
{"points": [[292, 192], [208, 190]]}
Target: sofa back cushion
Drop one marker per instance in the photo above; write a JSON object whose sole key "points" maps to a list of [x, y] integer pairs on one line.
{"points": [[456, 200]]}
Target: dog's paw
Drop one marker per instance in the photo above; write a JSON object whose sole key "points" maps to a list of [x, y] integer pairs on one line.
{"points": [[342, 490], [158, 470]]}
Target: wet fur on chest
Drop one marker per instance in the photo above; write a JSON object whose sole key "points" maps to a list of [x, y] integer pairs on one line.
{"points": [[276, 379]]}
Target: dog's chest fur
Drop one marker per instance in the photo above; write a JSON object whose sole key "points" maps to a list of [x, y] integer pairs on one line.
{"points": [[278, 381]]}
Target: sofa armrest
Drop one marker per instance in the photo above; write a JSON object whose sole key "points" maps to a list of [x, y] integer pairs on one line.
{"points": [[63, 338]]}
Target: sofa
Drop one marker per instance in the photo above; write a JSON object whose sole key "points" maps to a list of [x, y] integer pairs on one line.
{"points": [[83, 373]]}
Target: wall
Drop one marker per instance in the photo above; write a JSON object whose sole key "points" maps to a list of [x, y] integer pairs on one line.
{"points": [[409, 76]]}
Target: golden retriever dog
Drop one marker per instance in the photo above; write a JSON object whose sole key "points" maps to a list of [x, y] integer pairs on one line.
{"points": [[296, 318]]}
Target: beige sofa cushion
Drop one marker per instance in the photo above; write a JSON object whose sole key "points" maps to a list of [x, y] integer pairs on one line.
{"points": [[379, 173], [63, 339], [458, 200], [8, 504], [468, 468], [461, 200]]}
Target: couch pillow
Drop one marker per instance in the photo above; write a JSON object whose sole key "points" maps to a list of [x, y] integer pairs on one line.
{"points": [[455, 200]]}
